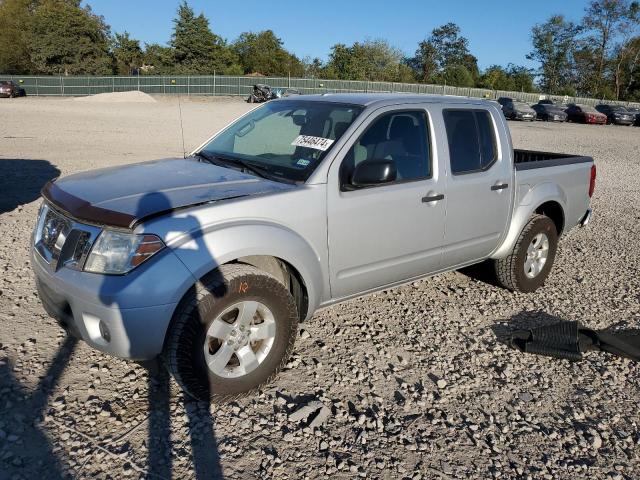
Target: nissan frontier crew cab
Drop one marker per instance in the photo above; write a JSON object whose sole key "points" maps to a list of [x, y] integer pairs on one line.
{"points": [[211, 261]]}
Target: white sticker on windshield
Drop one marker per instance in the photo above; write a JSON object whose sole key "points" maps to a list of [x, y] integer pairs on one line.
{"points": [[303, 162], [317, 143]]}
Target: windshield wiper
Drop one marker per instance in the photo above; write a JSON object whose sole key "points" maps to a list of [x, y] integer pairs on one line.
{"points": [[258, 170]]}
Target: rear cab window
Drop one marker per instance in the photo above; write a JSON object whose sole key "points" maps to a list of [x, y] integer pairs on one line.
{"points": [[472, 140]]}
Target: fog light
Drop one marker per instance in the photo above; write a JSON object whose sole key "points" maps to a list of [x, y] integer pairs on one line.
{"points": [[104, 331]]}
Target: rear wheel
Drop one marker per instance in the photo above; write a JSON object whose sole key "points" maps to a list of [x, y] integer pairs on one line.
{"points": [[231, 334], [530, 262]]}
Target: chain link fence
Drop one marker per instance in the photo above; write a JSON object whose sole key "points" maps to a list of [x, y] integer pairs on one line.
{"points": [[241, 86]]}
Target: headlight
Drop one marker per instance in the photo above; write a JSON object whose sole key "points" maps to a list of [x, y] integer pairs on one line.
{"points": [[118, 253]]}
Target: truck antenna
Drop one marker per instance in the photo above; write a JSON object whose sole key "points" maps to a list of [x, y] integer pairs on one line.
{"points": [[184, 150]]}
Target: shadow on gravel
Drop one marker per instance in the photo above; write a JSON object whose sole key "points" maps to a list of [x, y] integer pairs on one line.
{"points": [[204, 447], [483, 272], [23, 411], [21, 181], [206, 460]]}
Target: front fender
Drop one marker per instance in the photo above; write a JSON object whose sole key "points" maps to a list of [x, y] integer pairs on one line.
{"points": [[202, 251], [530, 200]]}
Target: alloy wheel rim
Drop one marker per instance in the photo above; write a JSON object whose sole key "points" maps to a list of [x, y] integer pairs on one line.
{"points": [[537, 255], [239, 339]]}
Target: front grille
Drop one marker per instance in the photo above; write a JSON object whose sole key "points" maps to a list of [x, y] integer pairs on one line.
{"points": [[61, 241], [55, 227]]}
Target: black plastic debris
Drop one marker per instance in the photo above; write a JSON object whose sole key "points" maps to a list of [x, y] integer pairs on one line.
{"points": [[569, 340]]}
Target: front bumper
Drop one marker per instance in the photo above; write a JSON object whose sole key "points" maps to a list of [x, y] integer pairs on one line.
{"points": [[126, 316], [623, 121]]}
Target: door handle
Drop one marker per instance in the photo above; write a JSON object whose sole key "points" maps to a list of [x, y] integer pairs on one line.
{"points": [[499, 186], [432, 198]]}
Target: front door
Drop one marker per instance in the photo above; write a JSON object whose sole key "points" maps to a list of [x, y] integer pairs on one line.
{"points": [[388, 233]]}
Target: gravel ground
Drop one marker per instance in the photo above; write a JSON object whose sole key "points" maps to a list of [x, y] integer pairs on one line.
{"points": [[414, 382]]}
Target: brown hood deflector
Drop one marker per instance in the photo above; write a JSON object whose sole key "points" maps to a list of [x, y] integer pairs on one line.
{"points": [[83, 210]]}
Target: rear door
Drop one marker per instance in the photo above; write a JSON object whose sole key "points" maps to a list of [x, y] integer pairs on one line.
{"points": [[479, 184], [388, 233]]}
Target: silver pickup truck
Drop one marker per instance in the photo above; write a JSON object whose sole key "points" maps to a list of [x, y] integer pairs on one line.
{"points": [[211, 261]]}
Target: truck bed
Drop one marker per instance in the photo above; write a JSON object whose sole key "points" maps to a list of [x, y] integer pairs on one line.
{"points": [[529, 159]]}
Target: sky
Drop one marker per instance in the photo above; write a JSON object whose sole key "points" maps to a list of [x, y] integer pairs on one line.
{"points": [[499, 31]]}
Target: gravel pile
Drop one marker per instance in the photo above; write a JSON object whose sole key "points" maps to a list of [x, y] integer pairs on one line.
{"points": [[412, 383], [117, 97]]}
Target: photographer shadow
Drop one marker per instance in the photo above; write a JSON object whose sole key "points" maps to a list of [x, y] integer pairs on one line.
{"points": [[21, 181], [205, 456], [19, 404]]}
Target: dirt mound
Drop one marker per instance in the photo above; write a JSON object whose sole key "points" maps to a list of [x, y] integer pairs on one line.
{"points": [[118, 97]]}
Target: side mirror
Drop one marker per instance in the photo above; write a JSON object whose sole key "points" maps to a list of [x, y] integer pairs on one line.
{"points": [[374, 172]]}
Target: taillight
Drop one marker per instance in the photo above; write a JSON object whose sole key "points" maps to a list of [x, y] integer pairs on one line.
{"points": [[592, 181]]}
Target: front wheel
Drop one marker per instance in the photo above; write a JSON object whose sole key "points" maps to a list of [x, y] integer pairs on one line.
{"points": [[530, 262], [231, 334]]}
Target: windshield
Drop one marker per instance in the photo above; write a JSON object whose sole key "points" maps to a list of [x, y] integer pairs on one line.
{"points": [[588, 109], [522, 105], [285, 138], [618, 108]]}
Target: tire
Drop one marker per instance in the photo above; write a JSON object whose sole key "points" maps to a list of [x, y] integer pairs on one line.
{"points": [[510, 271], [190, 333]]}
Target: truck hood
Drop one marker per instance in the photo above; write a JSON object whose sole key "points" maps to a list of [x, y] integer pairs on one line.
{"points": [[127, 195]]}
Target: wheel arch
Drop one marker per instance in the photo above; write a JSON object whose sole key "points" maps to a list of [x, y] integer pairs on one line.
{"points": [[545, 199], [272, 249], [555, 212]]}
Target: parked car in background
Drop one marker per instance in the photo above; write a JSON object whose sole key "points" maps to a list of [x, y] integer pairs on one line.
{"points": [[546, 101], [10, 89], [213, 259], [617, 114], [550, 112], [515, 110], [636, 112], [584, 114]]}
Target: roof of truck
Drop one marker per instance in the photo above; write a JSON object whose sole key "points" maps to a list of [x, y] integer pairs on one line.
{"points": [[367, 99]]}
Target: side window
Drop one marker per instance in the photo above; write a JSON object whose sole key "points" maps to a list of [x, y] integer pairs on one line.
{"points": [[472, 142], [399, 136]]}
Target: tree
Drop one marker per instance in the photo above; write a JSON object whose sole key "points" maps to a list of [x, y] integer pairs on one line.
{"points": [[196, 49], [627, 65], [606, 20], [444, 48], [313, 68], [455, 75], [496, 78], [127, 54], [157, 59], [553, 47], [369, 60], [522, 78], [69, 39], [15, 36], [264, 53]]}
